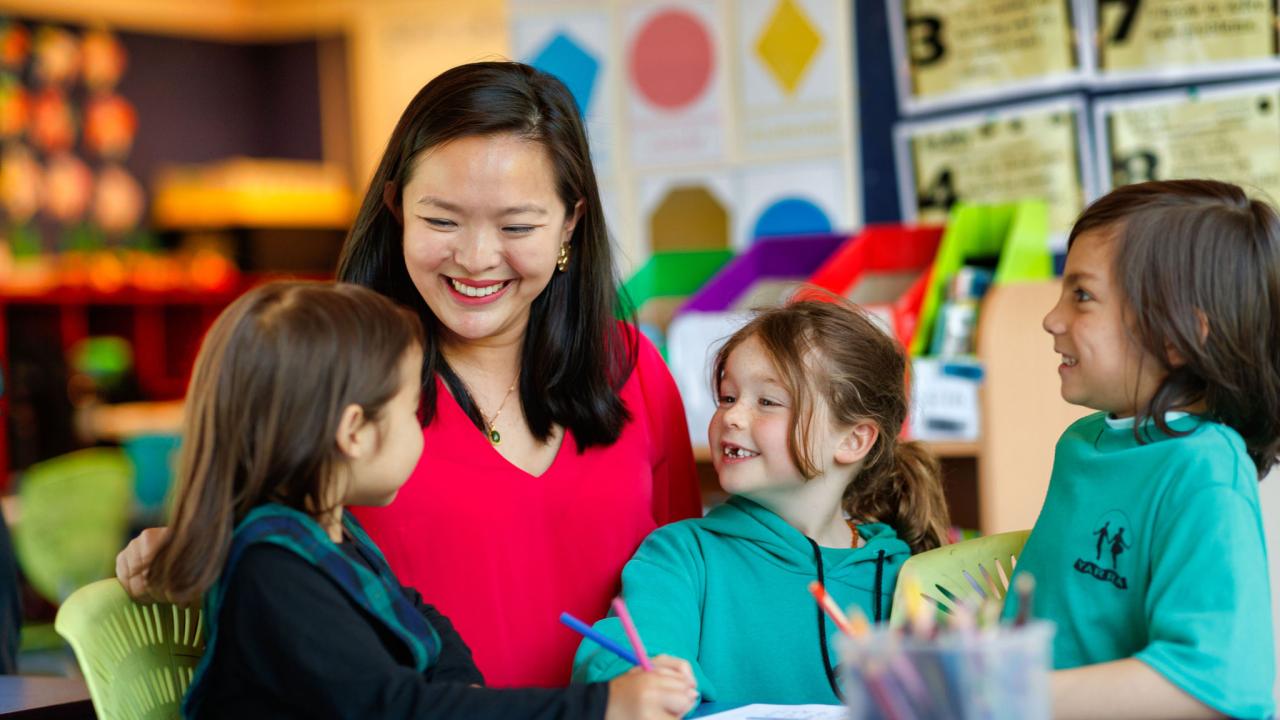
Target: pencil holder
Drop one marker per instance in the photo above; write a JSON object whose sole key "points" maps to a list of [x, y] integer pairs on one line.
{"points": [[996, 673]]}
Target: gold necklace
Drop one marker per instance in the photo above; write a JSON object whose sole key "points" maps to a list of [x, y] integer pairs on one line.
{"points": [[495, 437]]}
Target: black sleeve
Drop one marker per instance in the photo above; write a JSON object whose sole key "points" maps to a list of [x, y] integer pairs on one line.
{"points": [[10, 604], [455, 663], [288, 633]]}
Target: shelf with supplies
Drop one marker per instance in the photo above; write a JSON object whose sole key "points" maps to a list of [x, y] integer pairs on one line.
{"points": [[152, 336]]}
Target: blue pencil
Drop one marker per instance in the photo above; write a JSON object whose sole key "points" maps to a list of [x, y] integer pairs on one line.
{"points": [[591, 634]]}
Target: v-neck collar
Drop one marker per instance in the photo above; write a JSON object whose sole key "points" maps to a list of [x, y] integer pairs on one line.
{"points": [[479, 437]]}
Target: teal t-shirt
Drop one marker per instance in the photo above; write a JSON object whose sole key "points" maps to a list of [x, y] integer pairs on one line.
{"points": [[1156, 551]]}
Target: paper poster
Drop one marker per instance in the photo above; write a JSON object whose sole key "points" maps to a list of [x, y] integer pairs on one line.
{"points": [[950, 51], [794, 76], [575, 46], [687, 211], [674, 83], [1014, 153], [1140, 39], [791, 199], [1230, 133]]}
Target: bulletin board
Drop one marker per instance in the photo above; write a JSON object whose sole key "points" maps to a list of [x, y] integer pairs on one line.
{"points": [[1229, 132], [725, 120], [1031, 150], [950, 52]]}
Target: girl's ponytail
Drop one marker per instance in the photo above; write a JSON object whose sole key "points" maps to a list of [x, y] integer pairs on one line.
{"points": [[902, 486]]}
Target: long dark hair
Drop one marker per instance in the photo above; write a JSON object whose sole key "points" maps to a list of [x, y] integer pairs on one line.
{"points": [[262, 411], [1198, 262], [830, 349], [576, 356]]}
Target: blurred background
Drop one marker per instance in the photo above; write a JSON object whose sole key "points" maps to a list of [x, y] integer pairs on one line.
{"points": [[922, 157]]}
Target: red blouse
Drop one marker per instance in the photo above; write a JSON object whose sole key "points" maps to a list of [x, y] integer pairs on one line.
{"points": [[502, 553]]}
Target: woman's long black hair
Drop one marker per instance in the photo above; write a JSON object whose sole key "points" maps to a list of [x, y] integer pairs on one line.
{"points": [[576, 354]]}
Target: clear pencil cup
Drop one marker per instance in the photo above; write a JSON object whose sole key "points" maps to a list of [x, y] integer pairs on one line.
{"points": [[999, 673]]}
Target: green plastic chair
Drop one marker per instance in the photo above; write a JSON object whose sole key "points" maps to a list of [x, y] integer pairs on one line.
{"points": [[74, 514], [971, 571], [137, 660]]}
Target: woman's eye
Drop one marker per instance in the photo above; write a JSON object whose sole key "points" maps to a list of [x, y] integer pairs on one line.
{"points": [[518, 229], [769, 402], [726, 399], [1082, 295], [440, 222]]}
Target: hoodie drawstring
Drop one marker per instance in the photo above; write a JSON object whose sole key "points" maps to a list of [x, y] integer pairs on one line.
{"points": [[876, 603], [876, 594], [822, 626]]}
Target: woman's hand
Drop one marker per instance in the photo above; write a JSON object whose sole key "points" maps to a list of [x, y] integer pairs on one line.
{"points": [[668, 691], [134, 560]]}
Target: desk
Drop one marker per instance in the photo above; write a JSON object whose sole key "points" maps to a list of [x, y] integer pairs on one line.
{"points": [[54, 698]]}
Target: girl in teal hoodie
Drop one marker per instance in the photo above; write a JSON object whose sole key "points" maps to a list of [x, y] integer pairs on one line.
{"points": [[811, 397]]}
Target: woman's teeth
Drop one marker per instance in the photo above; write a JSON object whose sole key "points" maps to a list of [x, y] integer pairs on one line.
{"points": [[477, 292], [737, 452]]}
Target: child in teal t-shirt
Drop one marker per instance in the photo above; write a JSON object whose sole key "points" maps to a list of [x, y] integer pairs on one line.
{"points": [[1149, 551], [810, 399]]}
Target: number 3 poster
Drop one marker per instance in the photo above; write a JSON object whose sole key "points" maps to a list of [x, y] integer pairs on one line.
{"points": [[953, 51], [1231, 133], [1014, 153]]}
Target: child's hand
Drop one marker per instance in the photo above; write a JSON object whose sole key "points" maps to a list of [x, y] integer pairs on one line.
{"points": [[669, 691], [133, 561]]}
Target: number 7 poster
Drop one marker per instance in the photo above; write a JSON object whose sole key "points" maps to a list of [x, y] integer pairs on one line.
{"points": [[1141, 40], [1029, 151], [958, 51]]}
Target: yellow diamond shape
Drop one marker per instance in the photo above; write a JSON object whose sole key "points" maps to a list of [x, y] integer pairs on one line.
{"points": [[788, 43]]}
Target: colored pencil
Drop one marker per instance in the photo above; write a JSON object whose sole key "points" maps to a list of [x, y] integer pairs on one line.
{"points": [[595, 636], [833, 611], [620, 608], [1025, 585]]}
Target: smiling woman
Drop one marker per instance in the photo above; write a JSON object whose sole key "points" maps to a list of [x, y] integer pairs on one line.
{"points": [[555, 439]]}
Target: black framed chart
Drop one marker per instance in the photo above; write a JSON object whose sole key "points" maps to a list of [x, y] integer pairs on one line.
{"points": [[1141, 40], [1033, 150], [956, 51], [1229, 133]]}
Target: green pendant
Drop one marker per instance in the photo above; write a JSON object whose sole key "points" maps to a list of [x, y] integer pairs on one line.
{"points": [[494, 437]]}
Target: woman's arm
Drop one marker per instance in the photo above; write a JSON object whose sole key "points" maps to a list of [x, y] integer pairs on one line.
{"points": [[132, 563]]}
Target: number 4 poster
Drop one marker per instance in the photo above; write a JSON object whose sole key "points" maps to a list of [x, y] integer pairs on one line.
{"points": [[1032, 151], [952, 51]]}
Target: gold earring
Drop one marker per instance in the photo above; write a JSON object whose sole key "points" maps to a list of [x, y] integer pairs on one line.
{"points": [[562, 262]]}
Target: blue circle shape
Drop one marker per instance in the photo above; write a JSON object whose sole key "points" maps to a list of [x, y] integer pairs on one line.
{"points": [[791, 216]]}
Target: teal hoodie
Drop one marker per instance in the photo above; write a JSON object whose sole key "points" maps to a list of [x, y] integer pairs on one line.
{"points": [[729, 593]]}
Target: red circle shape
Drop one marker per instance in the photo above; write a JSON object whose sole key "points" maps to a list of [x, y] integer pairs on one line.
{"points": [[671, 59]]}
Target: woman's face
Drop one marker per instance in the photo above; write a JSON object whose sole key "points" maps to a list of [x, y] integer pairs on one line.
{"points": [[483, 227]]}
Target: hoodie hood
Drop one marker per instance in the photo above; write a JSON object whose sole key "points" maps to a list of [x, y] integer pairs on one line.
{"points": [[776, 542]]}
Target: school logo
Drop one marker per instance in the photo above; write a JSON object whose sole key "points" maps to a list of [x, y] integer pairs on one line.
{"points": [[1110, 537]]}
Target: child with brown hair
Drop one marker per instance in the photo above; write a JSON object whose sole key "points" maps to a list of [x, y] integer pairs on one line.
{"points": [[811, 398], [304, 401], [1149, 551]]}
